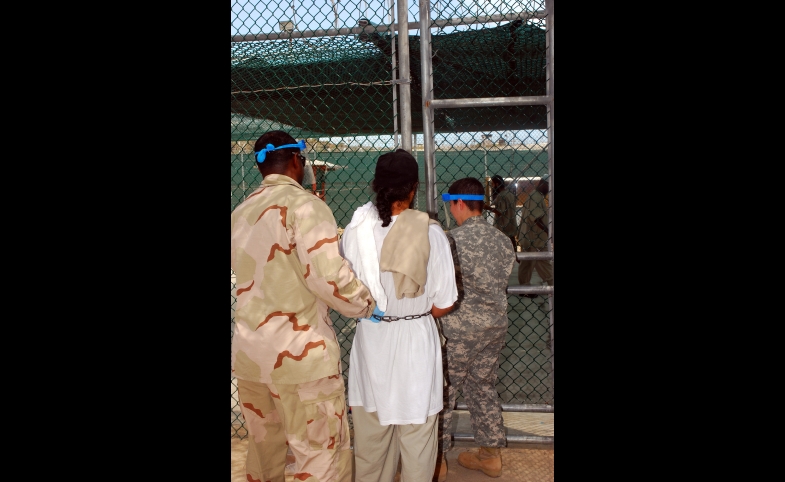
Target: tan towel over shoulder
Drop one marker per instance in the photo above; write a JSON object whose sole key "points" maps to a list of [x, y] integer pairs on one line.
{"points": [[405, 252]]}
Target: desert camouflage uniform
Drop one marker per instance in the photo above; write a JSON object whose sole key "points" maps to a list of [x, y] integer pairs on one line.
{"points": [[285, 354], [476, 328]]}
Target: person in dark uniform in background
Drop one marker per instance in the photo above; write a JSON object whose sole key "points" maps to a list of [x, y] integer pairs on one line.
{"points": [[504, 210]]}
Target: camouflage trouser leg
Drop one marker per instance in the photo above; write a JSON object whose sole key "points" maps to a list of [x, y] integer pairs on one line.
{"points": [[311, 417], [472, 366]]}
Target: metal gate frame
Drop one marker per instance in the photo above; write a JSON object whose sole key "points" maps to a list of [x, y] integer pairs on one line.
{"points": [[430, 103]]}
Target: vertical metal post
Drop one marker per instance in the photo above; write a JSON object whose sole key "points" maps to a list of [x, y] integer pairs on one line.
{"points": [[551, 197], [426, 88], [394, 77], [242, 172], [404, 87]]}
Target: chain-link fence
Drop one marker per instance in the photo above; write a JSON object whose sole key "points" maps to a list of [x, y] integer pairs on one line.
{"points": [[328, 72]]}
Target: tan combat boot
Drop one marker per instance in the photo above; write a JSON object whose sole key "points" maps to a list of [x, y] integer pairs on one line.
{"points": [[440, 474], [487, 459]]}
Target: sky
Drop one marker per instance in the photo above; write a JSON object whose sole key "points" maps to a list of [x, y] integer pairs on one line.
{"points": [[262, 16]]}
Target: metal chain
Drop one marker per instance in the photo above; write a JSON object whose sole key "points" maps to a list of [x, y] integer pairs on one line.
{"points": [[396, 318]]}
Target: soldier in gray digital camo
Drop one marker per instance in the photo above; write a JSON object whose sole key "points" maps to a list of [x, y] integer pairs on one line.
{"points": [[285, 354], [475, 329]]}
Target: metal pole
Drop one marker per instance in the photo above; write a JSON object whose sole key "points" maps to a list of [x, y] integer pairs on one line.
{"points": [[549, 93], [515, 407], [491, 101], [426, 89], [242, 171], [335, 14], [394, 77], [253, 37], [537, 439], [403, 78]]}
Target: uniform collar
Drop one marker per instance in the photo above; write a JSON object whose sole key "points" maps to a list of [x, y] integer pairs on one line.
{"points": [[474, 219], [279, 179]]}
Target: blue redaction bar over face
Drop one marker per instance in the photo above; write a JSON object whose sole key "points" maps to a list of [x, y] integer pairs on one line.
{"points": [[465, 197]]}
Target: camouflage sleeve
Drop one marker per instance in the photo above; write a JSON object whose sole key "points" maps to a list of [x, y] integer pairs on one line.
{"points": [[457, 264], [327, 273]]}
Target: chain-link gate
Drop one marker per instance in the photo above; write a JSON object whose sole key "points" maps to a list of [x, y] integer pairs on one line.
{"points": [[480, 104]]}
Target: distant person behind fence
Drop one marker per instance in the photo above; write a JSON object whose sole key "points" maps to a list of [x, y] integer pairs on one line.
{"points": [[475, 329], [396, 376], [533, 236], [309, 179], [504, 209], [285, 354]]}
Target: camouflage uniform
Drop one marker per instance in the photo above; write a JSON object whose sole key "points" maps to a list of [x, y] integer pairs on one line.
{"points": [[285, 354], [506, 221], [476, 328], [532, 238]]}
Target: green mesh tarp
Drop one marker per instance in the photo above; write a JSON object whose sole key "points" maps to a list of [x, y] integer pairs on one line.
{"points": [[249, 129], [342, 85]]}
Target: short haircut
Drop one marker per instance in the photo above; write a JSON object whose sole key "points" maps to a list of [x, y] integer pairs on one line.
{"points": [[275, 160], [468, 185]]}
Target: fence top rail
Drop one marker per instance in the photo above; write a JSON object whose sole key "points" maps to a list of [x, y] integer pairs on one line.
{"points": [[334, 32]]}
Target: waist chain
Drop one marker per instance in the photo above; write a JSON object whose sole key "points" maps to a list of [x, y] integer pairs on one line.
{"points": [[396, 318]]}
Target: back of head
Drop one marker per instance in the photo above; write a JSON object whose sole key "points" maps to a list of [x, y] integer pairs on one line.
{"points": [[274, 161], [497, 179], [469, 185], [397, 174]]}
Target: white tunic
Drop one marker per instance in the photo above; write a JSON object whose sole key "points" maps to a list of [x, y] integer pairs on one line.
{"points": [[395, 368]]}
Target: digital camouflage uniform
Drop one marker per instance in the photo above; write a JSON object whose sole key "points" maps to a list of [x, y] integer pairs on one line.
{"points": [[475, 329], [285, 354]]}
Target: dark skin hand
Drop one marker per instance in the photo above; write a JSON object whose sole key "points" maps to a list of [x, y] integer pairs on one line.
{"points": [[439, 312]]}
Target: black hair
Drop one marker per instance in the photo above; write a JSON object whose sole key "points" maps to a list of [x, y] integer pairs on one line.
{"points": [[468, 185], [275, 161], [386, 196]]}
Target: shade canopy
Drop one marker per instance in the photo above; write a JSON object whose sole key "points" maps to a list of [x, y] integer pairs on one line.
{"points": [[342, 85]]}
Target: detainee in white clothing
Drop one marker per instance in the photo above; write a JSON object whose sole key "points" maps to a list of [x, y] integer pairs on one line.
{"points": [[395, 367]]}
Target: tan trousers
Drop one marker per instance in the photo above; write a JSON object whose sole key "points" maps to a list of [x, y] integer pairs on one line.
{"points": [[310, 418], [377, 447], [543, 267]]}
